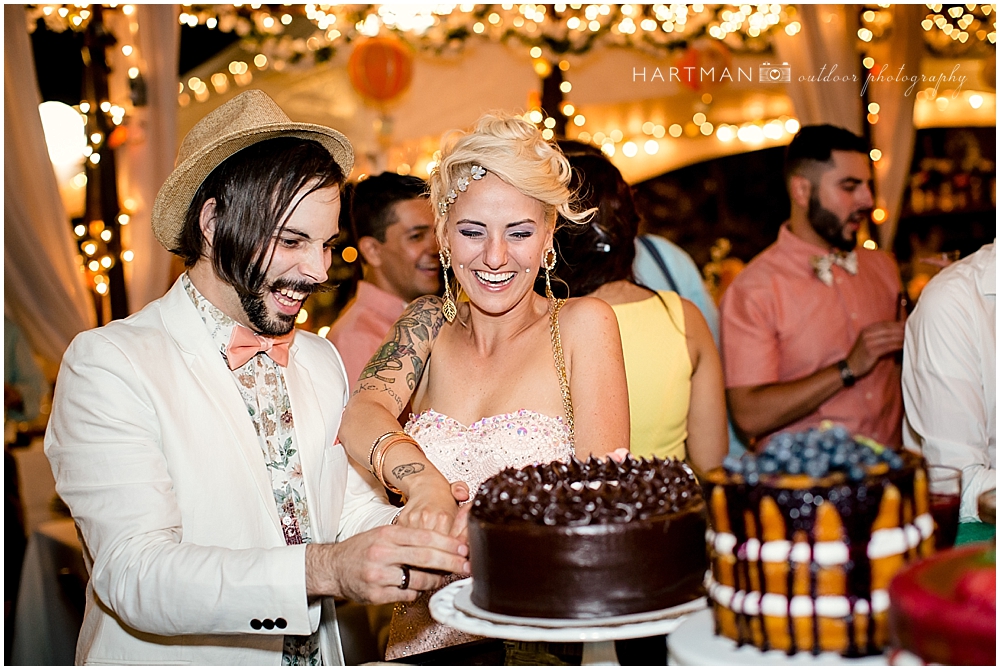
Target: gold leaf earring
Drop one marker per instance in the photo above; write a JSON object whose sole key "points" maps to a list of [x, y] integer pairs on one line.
{"points": [[549, 264], [448, 308]]}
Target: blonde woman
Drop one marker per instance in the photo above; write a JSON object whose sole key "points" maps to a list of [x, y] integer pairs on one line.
{"points": [[515, 378]]}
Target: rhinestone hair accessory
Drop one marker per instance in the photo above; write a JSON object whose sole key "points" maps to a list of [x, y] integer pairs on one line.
{"points": [[477, 172]]}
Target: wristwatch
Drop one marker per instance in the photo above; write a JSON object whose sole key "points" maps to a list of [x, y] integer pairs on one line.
{"points": [[846, 374]]}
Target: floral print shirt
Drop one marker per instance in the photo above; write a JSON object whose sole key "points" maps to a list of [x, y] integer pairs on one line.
{"points": [[262, 385]]}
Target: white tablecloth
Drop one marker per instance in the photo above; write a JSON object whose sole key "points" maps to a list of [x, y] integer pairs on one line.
{"points": [[36, 483], [49, 604]]}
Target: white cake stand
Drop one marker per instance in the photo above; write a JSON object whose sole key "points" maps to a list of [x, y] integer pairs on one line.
{"points": [[694, 642], [598, 635]]}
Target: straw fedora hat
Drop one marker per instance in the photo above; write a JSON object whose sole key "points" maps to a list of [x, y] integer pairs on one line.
{"points": [[248, 118]]}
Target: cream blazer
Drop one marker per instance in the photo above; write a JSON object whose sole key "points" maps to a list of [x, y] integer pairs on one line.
{"points": [[154, 453]]}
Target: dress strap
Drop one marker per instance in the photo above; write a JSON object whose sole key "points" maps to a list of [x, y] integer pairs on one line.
{"points": [[557, 353]]}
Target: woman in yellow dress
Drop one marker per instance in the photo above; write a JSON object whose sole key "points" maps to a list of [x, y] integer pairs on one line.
{"points": [[675, 386]]}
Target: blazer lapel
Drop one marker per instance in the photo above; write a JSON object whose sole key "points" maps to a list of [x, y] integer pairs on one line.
{"points": [[182, 322]]}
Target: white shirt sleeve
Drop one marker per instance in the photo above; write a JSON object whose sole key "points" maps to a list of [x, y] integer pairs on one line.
{"points": [[950, 404]]}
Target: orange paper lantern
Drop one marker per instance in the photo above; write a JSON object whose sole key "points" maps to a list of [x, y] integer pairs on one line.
{"points": [[381, 69], [117, 137]]}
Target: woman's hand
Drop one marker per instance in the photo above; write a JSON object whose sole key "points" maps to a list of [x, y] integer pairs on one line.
{"points": [[432, 504], [459, 528], [618, 455]]}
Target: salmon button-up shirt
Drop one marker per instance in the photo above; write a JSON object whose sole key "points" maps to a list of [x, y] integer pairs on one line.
{"points": [[780, 323]]}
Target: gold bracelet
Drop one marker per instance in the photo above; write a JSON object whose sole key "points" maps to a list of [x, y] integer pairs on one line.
{"points": [[380, 459], [380, 438], [378, 456]]}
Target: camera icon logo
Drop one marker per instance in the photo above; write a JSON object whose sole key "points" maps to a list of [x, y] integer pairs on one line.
{"points": [[774, 74]]}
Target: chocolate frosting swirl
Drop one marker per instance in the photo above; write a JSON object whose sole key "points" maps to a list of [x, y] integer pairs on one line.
{"points": [[591, 492]]}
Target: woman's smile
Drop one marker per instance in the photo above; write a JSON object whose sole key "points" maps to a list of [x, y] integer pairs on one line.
{"points": [[494, 280]]}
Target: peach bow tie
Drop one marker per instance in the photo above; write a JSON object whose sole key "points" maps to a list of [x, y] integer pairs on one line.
{"points": [[244, 345]]}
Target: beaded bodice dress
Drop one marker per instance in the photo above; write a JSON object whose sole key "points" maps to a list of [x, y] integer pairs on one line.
{"points": [[472, 454], [476, 452]]}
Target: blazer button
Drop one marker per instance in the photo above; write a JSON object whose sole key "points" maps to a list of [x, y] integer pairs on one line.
{"points": [[268, 624], [255, 624], [280, 623]]}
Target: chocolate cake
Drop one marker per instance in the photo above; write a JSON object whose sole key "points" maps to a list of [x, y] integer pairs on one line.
{"points": [[583, 540], [805, 538]]}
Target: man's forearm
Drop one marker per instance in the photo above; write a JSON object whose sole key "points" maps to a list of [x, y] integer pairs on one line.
{"points": [[758, 410], [321, 572]]}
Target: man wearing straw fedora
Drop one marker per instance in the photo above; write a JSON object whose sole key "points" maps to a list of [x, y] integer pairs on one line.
{"points": [[195, 441]]}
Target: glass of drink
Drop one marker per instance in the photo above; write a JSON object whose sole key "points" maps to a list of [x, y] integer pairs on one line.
{"points": [[946, 498], [942, 259]]}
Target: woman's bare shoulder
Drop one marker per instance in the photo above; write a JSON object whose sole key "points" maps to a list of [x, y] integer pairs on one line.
{"points": [[586, 314], [694, 320], [697, 333]]}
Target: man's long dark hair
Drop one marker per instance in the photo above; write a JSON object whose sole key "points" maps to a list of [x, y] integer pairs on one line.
{"points": [[253, 191]]}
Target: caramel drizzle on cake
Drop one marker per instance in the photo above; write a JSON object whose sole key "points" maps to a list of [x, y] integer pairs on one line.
{"points": [[804, 564]]}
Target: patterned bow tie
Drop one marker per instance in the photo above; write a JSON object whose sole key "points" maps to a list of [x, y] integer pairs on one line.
{"points": [[244, 345], [823, 265]]}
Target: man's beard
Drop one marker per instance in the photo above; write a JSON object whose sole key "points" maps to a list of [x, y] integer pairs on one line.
{"points": [[277, 324], [830, 227]]}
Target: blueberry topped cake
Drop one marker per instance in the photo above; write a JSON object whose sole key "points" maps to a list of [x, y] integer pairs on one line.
{"points": [[805, 537]]}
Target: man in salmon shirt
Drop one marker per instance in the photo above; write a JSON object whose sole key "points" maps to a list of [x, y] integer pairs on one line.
{"points": [[809, 328]]}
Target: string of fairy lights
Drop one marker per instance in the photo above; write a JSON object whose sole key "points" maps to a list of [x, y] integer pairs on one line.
{"points": [[274, 39], [947, 30], [948, 27], [98, 251], [551, 33], [296, 37]]}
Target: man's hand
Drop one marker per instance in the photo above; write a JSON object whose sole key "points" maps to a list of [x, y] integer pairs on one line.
{"points": [[368, 568], [875, 341]]}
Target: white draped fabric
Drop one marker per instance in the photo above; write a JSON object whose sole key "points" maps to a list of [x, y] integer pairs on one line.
{"points": [[148, 157], [44, 285], [827, 39], [894, 134]]}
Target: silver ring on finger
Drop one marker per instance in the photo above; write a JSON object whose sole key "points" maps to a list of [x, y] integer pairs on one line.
{"points": [[405, 582]]}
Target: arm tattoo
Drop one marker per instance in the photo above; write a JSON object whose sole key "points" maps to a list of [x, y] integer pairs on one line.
{"points": [[384, 388], [407, 469], [419, 325]]}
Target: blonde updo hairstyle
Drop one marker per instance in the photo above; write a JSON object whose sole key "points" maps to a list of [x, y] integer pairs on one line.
{"points": [[512, 149]]}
